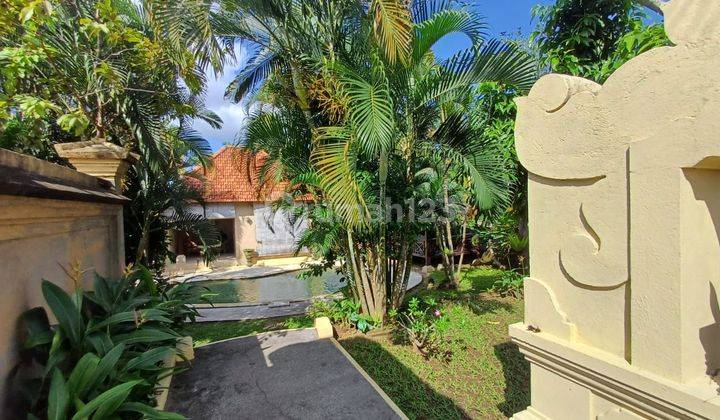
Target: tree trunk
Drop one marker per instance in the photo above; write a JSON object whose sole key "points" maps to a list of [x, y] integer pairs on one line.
{"points": [[360, 285], [144, 240], [462, 250], [450, 250], [401, 274]]}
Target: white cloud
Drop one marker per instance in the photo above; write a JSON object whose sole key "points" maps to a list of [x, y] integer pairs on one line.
{"points": [[233, 115]]}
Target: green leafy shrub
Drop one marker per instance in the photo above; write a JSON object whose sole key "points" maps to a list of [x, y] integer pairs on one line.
{"points": [[424, 324], [346, 311], [104, 357], [510, 283]]}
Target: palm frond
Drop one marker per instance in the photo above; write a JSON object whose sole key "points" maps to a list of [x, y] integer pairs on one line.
{"points": [[506, 64], [251, 78], [370, 108], [188, 24], [285, 138], [477, 159], [196, 143], [335, 162], [422, 10], [393, 28], [444, 22], [494, 61]]}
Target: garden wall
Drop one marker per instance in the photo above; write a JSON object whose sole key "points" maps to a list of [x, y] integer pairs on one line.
{"points": [[622, 319], [51, 219]]}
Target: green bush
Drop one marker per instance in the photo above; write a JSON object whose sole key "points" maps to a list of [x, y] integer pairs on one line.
{"points": [[346, 311], [103, 358], [424, 324], [510, 283]]}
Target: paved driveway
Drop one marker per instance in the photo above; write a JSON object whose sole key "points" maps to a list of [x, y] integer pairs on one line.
{"points": [[277, 375]]}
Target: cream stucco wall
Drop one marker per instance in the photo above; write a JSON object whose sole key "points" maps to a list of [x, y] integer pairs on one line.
{"points": [[39, 236], [244, 227], [622, 318]]}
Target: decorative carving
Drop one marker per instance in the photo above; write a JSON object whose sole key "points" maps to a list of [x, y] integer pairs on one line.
{"points": [[590, 163], [624, 213], [554, 321]]}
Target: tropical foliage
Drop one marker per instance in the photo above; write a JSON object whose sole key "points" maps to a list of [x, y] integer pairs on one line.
{"points": [[159, 204], [592, 38], [345, 311], [122, 71], [104, 357], [424, 325], [358, 106]]}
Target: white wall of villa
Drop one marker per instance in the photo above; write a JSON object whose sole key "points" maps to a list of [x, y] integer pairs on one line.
{"points": [[256, 227]]}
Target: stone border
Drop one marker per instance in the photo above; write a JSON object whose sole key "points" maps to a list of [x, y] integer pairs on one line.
{"points": [[184, 352], [612, 378], [268, 303], [194, 277]]}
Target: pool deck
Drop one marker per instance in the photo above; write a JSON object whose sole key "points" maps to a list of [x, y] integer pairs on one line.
{"points": [[249, 311], [263, 310], [238, 273], [281, 374]]}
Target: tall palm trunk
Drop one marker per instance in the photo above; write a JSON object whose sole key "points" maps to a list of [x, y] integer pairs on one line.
{"points": [[400, 273], [449, 251], [368, 271], [462, 249], [144, 240], [362, 287]]}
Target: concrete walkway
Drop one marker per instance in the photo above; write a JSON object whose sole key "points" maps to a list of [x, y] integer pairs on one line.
{"points": [[279, 375]]}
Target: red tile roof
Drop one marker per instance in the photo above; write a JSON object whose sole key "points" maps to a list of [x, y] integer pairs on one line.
{"points": [[233, 177]]}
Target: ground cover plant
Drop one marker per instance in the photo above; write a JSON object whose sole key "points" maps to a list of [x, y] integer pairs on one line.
{"points": [[424, 324], [346, 311], [104, 358]]}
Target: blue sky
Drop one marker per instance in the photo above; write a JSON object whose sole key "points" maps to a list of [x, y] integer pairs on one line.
{"points": [[503, 16]]}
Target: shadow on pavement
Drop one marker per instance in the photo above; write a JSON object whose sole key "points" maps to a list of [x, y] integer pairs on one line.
{"points": [[283, 374]]}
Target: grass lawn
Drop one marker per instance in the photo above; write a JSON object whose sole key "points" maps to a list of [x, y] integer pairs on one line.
{"points": [[486, 377], [209, 332]]}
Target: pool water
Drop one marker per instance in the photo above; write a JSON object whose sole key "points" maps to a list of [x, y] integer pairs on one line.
{"points": [[281, 287]]}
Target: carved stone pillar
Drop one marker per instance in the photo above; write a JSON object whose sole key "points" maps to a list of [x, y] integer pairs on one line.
{"points": [[98, 158], [622, 319]]}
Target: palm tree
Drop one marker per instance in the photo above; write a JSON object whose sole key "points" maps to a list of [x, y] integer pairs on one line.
{"points": [[160, 200], [377, 105], [129, 72]]}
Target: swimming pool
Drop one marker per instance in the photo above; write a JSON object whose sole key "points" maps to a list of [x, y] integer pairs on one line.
{"points": [[280, 287]]}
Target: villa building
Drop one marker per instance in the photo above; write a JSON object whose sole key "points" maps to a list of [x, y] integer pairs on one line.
{"points": [[242, 209]]}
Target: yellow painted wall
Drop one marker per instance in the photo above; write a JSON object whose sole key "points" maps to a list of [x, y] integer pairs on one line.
{"points": [[40, 236], [622, 319], [244, 226]]}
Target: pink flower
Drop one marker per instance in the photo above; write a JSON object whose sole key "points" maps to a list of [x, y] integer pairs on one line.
{"points": [[437, 313]]}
